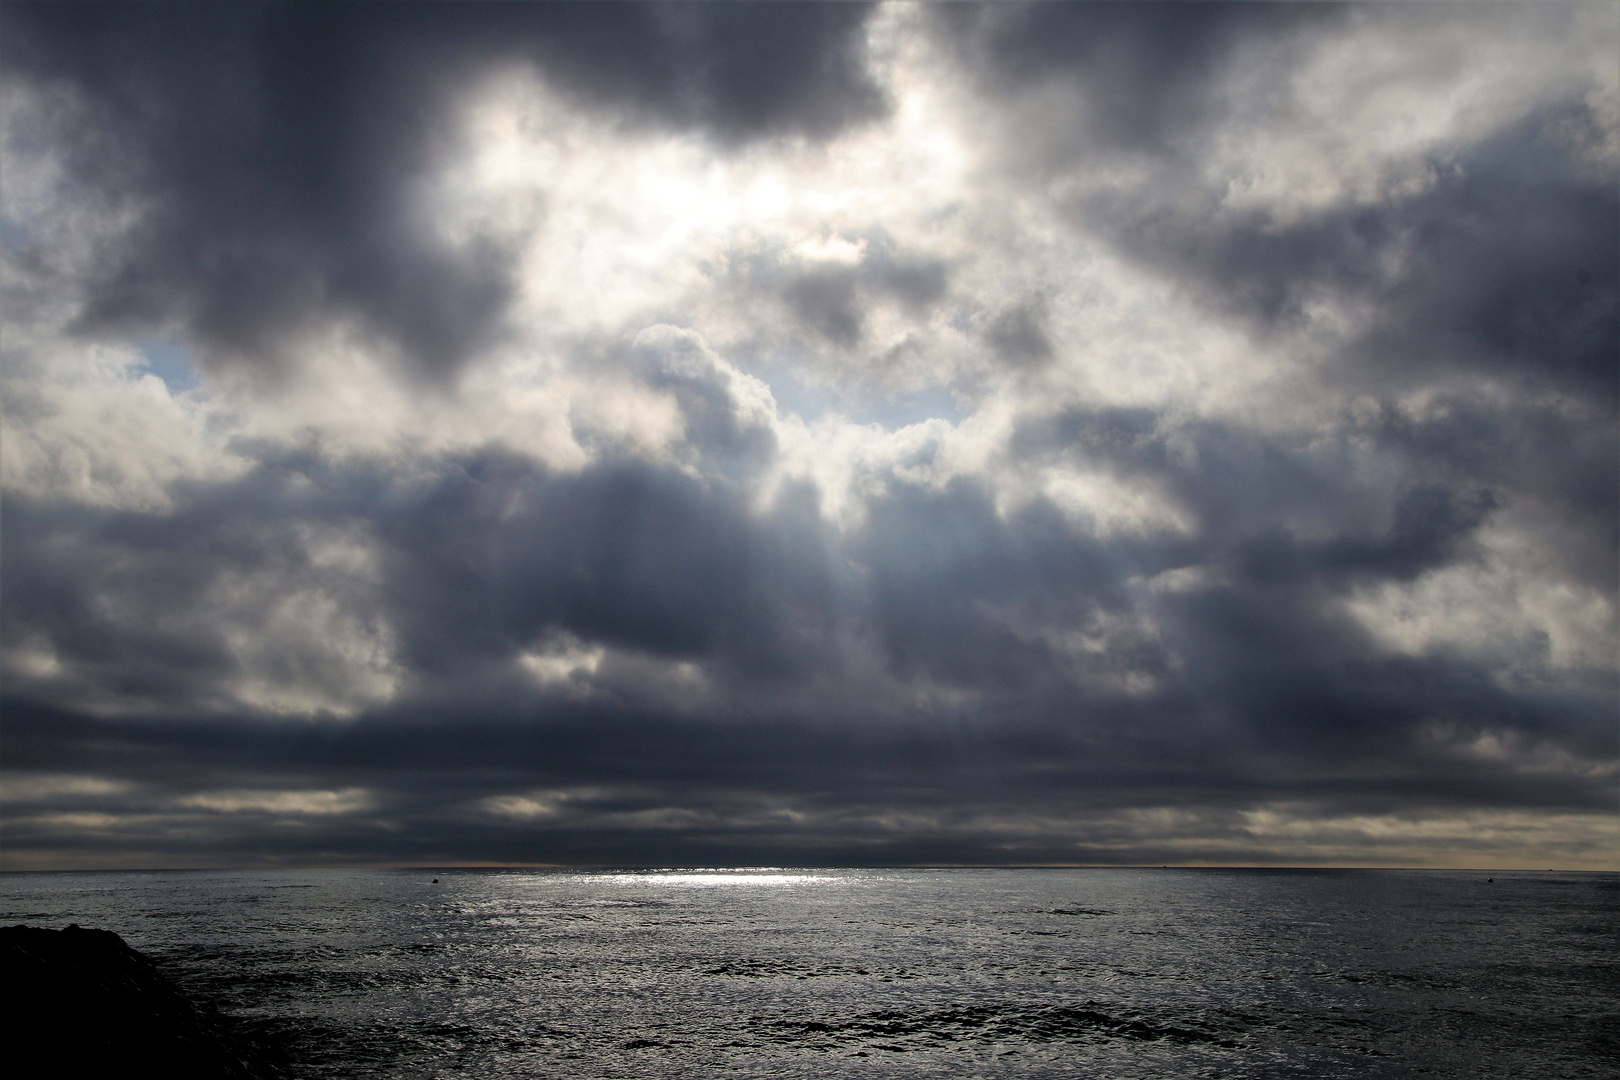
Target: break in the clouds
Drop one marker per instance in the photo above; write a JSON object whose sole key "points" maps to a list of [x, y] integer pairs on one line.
{"points": [[779, 433]]}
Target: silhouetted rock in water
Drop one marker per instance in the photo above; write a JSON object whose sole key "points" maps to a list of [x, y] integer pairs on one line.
{"points": [[82, 1003]]}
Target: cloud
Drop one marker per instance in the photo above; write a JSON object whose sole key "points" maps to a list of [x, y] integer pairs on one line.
{"points": [[320, 803], [270, 148], [808, 433], [1133, 80]]}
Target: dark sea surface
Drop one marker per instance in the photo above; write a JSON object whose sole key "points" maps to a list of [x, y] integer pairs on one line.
{"points": [[872, 973]]}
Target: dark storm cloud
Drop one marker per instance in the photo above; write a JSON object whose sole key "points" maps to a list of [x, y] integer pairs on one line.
{"points": [[637, 786], [131, 600], [276, 143], [1254, 497], [486, 554], [944, 563], [493, 555], [1265, 647], [1260, 688], [1507, 265], [1142, 71], [496, 557], [1568, 466], [682, 651]]}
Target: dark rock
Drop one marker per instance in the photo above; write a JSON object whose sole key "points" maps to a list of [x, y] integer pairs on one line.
{"points": [[82, 1003]]}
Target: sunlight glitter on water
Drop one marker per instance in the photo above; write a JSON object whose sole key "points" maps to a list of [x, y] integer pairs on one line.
{"points": [[764, 875]]}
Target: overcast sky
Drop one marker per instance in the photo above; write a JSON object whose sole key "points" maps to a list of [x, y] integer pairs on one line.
{"points": [[765, 433]]}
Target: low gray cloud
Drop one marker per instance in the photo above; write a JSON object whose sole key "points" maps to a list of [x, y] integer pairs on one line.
{"points": [[1142, 75], [1018, 334], [832, 292]]}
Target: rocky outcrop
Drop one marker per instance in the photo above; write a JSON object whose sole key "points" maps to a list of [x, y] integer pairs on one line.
{"points": [[82, 1003]]}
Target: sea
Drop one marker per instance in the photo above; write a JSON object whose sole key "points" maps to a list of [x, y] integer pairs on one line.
{"points": [[831, 973]]}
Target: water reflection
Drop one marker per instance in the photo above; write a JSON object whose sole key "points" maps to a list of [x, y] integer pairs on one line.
{"points": [[784, 972]]}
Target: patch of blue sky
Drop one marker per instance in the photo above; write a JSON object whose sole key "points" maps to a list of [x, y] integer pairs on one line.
{"points": [[171, 362], [810, 400], [903, 410]]}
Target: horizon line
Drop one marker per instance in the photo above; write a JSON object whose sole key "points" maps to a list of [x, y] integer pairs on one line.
{"points": [[760, 867]]}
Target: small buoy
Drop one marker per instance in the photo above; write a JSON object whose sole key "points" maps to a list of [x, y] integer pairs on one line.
{"points": [[435, 881], [1488, 881]]}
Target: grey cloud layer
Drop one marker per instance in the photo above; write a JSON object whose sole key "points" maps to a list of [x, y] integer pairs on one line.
{"points": [[1270, 530]]}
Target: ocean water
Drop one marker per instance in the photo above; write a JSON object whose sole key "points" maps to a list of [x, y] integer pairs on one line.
{"points": [[874, 973]]}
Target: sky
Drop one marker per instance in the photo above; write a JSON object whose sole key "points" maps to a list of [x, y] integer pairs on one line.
{"points": [[775, 434]]}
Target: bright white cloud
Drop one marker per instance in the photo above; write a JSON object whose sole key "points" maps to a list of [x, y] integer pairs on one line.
{"points": [[86, 423]]}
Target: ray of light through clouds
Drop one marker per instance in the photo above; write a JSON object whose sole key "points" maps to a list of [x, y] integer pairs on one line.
{"points": [[800, 435]]}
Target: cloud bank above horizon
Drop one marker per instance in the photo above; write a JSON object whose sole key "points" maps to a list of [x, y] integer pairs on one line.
{"points": [[775, 433]]}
